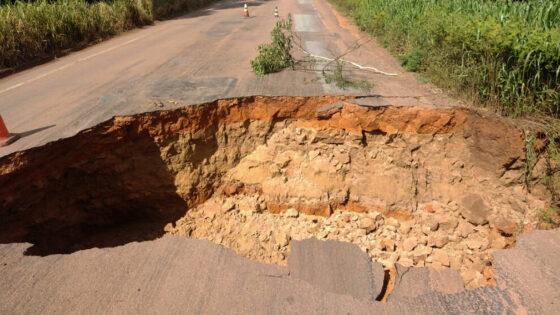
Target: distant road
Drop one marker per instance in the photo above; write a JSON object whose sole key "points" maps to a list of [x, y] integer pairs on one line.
{"points": [[198, 57]]}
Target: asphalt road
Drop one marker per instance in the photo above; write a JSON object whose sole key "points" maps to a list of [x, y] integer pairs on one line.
{"points": [[177, 275], [198, 57]]}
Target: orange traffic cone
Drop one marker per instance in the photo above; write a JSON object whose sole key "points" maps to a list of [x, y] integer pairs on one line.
{"points": [[276, 15], [5, 137], [246, 10]]}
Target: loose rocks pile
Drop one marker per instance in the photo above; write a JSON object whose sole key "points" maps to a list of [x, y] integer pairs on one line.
{"points": [[306, 183], [439, 239]]}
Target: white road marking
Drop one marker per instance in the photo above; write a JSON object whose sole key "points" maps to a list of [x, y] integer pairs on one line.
{"points": [[15, 86]]}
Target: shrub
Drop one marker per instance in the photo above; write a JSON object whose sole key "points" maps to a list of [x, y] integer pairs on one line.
{"points": [[275, 56]]}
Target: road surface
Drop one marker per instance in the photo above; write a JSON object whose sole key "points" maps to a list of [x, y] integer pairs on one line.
{"points": [[198, 57], [177, 275]]}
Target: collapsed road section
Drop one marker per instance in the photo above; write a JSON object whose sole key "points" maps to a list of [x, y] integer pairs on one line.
{"points": [[411, 186]]}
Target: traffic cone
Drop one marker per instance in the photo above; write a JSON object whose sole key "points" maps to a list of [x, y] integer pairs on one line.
{"points": [[5, 137], [246, 10], [276, 15]]}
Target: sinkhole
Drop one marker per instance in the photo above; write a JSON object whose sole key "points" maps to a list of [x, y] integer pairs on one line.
{"points": [[416, 186]]}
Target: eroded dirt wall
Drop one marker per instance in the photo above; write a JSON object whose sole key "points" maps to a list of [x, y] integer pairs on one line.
{"points": [[124, 179]]}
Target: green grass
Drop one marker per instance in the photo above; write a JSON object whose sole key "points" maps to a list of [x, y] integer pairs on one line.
{"points": [[31, 31], [498, 52]]}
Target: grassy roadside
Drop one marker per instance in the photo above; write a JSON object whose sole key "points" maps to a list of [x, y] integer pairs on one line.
{"points": [[36, 30], [500, 53]]}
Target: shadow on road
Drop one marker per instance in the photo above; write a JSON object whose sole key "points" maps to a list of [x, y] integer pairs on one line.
{"points": [[33, 131]]}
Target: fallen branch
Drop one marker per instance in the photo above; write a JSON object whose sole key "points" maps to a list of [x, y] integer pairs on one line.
{"points": [[373, 69], [339, 58]]}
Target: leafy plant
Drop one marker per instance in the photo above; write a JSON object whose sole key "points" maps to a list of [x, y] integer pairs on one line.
{"points": [[275, 56], [412, 60]]}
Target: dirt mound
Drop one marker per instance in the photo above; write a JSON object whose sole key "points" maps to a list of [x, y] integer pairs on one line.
{"points": [[418, 186]]}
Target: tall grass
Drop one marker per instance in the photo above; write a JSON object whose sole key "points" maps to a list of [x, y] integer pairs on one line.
{"points": [[34, 30], [501, 52]]}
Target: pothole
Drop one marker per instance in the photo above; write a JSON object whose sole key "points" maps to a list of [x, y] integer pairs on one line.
{"points": [[416, 186]]}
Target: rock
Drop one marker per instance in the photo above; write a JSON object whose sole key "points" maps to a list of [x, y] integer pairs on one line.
{"points": [[475, 244], [356, 234], [322, 235], [291, 213], [465, 229], [248, 205], [386, 245], [497, 241], [375, 215], [420, 253], [409, 244], [314, 229], [228, 205], [473, 278], [168, 228], [505, 224], [184, 230], [440, 257], [406, 227], [474, 209], [448, 222], [390, 229], [232, 188], [263, 237], [437, 240], [282, 160], [392, 222], [282, 239], [406, 261], [389, 263], [368, 224], [313, 154], [488, 273], [456, 260], [434, 226]]}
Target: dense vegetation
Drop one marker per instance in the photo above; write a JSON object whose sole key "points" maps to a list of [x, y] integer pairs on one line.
{"points": [[500, 52], [34, 30]]}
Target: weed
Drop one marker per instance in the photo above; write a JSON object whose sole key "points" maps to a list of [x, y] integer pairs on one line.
{"points": [[530, 155], [412, 60], [337, 77], [275, 56], [549, 218]]}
